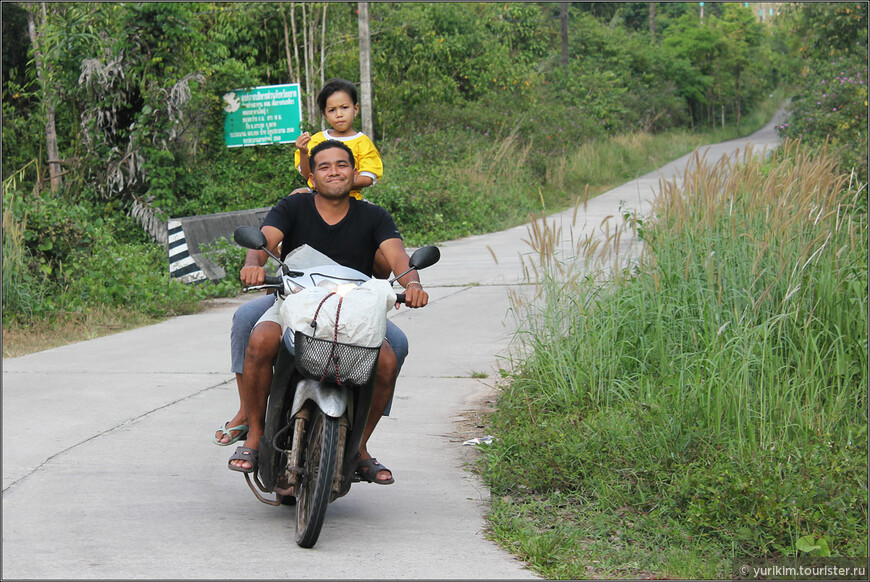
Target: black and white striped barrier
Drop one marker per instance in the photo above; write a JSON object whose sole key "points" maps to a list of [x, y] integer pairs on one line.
{"points": [[181, 264], [189, 236]]}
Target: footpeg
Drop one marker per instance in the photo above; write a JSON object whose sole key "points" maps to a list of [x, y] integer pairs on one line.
{"points": [[275, 501]]}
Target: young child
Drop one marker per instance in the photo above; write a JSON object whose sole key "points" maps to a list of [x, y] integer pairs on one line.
{"points": [[338, 104]]}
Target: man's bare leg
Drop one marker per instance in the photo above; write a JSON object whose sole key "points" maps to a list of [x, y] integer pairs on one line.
{"points": [[385, 383], [240, 418], [256, 381]]}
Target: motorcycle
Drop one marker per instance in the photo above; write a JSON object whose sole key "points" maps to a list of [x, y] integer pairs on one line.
{"points": [[315, 420]]}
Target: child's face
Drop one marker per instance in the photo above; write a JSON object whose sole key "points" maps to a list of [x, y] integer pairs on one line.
{"points": [[340, 112]]}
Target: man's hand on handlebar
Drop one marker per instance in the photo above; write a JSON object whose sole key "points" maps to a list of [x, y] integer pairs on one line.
{"points": [[252, 275], [415, 296]]}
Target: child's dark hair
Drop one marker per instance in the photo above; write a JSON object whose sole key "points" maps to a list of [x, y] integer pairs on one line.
{"points": [[334, 86]]}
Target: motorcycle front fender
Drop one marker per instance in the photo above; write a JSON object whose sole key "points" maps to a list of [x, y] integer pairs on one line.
{"points": [[331, 399]]}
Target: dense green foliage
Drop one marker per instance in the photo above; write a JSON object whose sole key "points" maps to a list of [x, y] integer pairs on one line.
{"points": [[474, 111], [716, 391], [830, 106]]}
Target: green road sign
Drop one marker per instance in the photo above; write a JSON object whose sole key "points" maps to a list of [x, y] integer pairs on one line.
{"points": [[262, 115]]}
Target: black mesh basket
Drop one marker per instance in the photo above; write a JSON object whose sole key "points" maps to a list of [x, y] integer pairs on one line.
{"points": [[335, 362]]}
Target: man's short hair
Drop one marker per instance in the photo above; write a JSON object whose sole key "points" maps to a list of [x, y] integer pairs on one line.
{"points": [[329, 144], [334, 86]]}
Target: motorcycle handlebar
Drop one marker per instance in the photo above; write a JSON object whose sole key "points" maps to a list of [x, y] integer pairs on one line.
{"points": [[278, 283]]}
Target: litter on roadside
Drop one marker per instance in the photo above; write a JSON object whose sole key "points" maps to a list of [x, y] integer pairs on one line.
{"points": [[487, 440]]}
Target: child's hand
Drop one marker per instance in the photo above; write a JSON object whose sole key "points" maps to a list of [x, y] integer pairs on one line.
{"points": [[302, 142]]}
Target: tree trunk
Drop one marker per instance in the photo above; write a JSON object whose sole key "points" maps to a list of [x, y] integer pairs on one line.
{"points": [[268, 59], [312, 87], [365, 69], [711, 109], [295, 41], [563, 23], [323, 46], [287, 47], [307, 45], [47, 98], [652, 19], [737, 90]]}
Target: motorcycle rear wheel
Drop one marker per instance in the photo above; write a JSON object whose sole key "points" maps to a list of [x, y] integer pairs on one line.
{"points": [[318, 465]]}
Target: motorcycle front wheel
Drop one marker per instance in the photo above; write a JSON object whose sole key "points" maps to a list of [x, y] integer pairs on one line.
{"points": [[318, 468]]}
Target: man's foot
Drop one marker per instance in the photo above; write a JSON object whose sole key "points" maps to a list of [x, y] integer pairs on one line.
{"points": [[227, 436], [373, 472], [244, 460], [236, 433]]}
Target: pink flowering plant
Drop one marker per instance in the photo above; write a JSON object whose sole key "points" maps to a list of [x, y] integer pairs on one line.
{"points": [[832, 106]]}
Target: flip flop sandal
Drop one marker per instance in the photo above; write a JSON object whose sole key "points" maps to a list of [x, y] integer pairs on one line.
{"points": [[244, 454], [368, 471], [243, 428]]}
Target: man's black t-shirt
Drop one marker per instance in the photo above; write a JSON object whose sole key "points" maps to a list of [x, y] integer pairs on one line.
{"points": [[352, 242]]}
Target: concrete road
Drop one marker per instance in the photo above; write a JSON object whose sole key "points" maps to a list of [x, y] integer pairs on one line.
{"points": [[109, 470]]}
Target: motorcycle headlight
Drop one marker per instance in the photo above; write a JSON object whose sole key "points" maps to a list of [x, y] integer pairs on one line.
{"points": [[343, 290]]}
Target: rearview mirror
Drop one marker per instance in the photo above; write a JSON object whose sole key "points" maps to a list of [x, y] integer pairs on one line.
{"points": [[422, 258], [249, 237], [425, 257]]}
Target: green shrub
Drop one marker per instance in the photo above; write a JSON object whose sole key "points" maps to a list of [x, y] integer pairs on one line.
{"points": [[238, 179], [114, 274], [25, 287], [480, 184], [764, 500], [831, 108]]}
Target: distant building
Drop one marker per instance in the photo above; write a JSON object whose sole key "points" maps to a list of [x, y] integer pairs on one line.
{"points": [[765, 11]]}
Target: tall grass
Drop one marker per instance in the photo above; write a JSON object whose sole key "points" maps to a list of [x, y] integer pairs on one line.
{"points": [[604, 163], [620, 158], [476, 185], [773, 294], [712, 388], [23, 284]]}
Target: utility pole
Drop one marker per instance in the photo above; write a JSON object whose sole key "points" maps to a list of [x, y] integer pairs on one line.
{"points": [[563, 22], [365, 69]]}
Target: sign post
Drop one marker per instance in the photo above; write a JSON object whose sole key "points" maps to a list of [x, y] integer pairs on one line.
{"points": [[262, 115]]}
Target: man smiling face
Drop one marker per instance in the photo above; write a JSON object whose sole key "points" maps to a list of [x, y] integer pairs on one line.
{"points": [[332, 171]]}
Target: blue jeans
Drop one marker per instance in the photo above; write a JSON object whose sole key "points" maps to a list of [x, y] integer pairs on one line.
{"points": [[246, 317]]}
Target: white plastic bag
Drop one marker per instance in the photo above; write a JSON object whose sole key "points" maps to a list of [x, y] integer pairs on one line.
{"points": [[362, 319]]}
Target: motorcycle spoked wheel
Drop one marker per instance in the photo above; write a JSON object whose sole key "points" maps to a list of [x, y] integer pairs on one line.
{"points": [[318, 466]]}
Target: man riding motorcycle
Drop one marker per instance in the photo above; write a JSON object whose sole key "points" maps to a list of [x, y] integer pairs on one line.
{"points": [[348, 231]]}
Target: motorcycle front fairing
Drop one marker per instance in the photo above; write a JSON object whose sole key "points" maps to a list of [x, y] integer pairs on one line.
{"points": [[318, 270]]}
